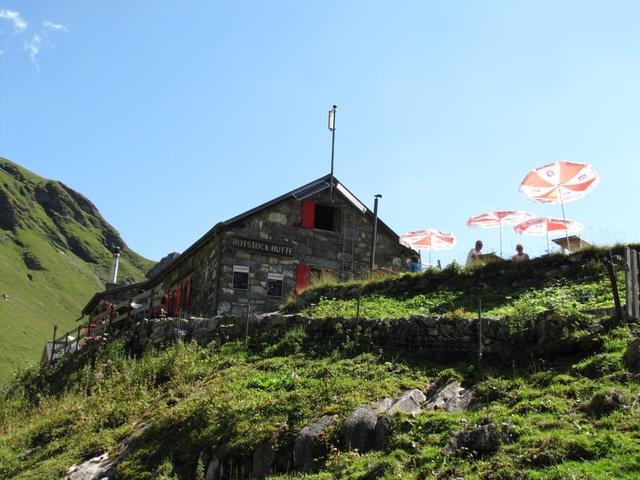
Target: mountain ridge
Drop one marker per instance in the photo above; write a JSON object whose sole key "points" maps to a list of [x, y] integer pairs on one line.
{"points": [[55, 253]]}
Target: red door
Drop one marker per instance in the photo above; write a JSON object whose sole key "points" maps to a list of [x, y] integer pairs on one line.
{"points": [[303, 277]]}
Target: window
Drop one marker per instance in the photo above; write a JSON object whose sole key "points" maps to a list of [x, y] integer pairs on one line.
{"points": [[325, 218], [274, 284], [240, 277], [322, 217]]}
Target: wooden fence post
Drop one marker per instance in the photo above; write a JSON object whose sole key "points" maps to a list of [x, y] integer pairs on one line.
{"points": [[78, 338], [614, 287], [53, 344]]}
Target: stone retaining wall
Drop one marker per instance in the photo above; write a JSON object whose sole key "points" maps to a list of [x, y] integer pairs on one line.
{"points": [[438, 337]]}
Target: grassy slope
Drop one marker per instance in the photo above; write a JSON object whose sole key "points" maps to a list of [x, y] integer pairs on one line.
{"points": [[57, 292], [226, 401]]}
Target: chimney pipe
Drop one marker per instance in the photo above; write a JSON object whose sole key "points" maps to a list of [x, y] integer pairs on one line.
{"points": [[114, 265]]}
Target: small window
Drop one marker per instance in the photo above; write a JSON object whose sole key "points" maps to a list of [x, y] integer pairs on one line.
{"points": [[325, 218], [240, 277], [274, 284]]}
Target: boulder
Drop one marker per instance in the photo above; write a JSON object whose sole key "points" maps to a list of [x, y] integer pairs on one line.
{"points": [[450, 398], [603, 403], [482, 440], [631, 357], [95, 468], [213, 469], [358, 431], [262, 461], [409, 402], [310, 448]]}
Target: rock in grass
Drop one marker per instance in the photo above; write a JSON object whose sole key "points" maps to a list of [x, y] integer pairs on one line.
{"points": [[93, 469], [408, 402], [262, 460], [450, 398], [603, 403], [310, 447], [482, 440], [631, 357], [358, 431]]}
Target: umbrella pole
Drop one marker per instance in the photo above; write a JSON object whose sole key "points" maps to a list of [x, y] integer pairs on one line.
{"points": [[501, 239], [566, 231], [548, 252], [429, 257]]}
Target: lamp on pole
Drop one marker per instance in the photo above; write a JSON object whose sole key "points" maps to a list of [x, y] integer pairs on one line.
{"points": [[374, 235]]}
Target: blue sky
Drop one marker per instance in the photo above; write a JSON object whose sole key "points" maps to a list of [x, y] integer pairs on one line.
{"points": [[172, 116]]}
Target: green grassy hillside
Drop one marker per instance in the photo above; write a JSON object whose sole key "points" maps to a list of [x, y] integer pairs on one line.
{"points": [[54, 255], [225, 401], [572, 415]]}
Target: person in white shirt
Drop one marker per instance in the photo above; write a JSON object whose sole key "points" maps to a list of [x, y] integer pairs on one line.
{"points": [[518, 257], [473, 257]]}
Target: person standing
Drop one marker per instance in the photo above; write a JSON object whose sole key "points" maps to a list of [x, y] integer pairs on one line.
{"points": [[520, 255], [473, 258]]}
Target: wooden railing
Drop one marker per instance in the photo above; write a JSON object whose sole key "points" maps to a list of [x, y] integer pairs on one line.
{"points": [[99, 325]]}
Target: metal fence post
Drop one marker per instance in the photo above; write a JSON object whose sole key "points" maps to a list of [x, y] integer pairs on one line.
{"points": [[480, 346], [634, 285], [627, 280], [246, 327], [358, 317]]}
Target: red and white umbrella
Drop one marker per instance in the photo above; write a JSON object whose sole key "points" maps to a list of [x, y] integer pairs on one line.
{"points": [[543, 226], [429, 239], [497, 219], [559, 182]]}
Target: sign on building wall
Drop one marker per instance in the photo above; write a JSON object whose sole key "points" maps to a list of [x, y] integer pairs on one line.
{"points": [[274, 284], [262, 246]]}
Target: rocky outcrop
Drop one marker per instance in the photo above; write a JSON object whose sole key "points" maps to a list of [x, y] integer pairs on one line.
{"points": [[262, 459], [95, 468], [9, 215], [450, 398], [359, 429], [631, 357], [103, 466], [603, 403], [310, 445], [408, 403], [162, 264], [481, 440]]}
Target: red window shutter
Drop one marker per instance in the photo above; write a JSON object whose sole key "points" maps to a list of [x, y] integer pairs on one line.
{"points": [[187, 294], [177, 293], [303, 276], [308, 214]]}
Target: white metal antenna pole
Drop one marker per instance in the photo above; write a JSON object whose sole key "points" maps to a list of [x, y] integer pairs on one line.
{"points": [[332, 127]]}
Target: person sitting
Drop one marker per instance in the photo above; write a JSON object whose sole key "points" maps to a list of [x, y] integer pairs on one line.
{"points": [[520, 255], [473, 258], [414, 264]]}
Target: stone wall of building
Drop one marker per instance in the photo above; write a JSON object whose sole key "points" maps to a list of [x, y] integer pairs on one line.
{"points": [[200, 265], [344, 252]]}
